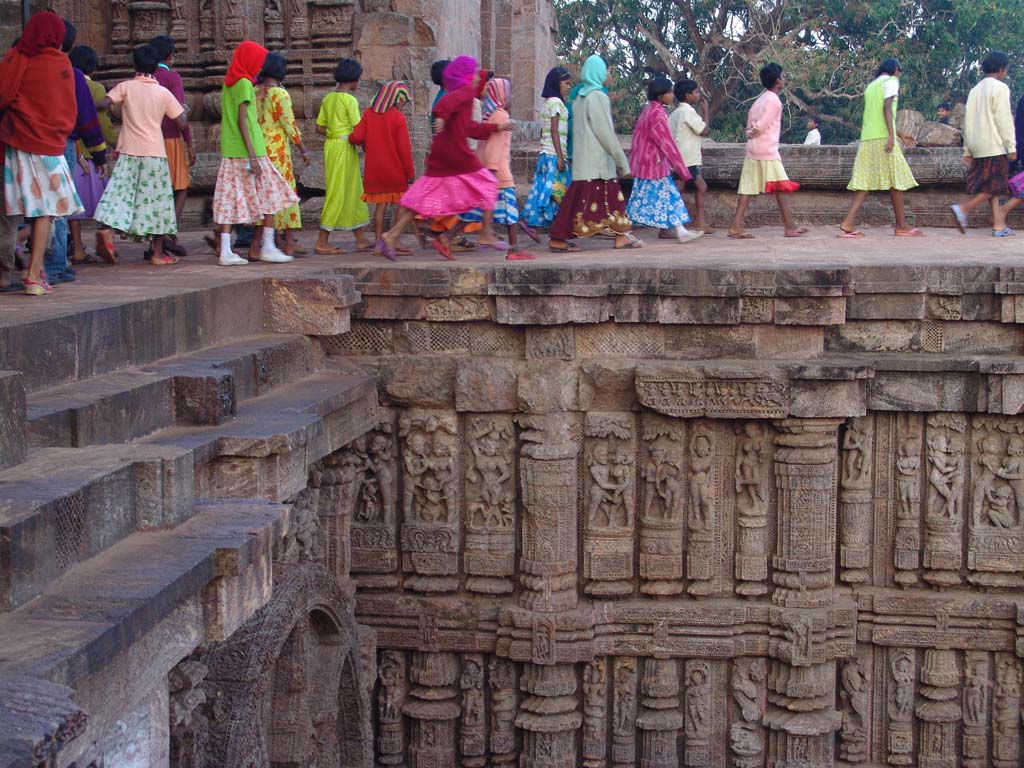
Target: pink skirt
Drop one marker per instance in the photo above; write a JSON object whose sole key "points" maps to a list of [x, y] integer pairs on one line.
{"points": [[451, 195], [242, 197]]}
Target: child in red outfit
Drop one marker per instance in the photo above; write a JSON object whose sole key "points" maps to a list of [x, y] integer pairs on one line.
{"points": [[455, 181], [384, 136]]}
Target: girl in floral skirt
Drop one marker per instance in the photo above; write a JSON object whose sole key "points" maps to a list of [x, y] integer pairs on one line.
{"points": [[655, 201], [139, 200], [277, 120], [552, 176], [249, 187], [37, 113]]}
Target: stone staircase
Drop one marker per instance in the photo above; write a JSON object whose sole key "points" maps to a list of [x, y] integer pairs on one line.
{"points": [[149, 450]]}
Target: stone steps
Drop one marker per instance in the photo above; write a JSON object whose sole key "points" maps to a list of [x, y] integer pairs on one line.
{"points": [[203, 387]]}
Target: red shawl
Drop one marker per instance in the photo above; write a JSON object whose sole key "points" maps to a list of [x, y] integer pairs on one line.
{"points": [[246, 63]]}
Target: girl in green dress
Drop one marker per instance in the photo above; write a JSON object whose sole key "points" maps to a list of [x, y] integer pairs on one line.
{"points": [[880, 165], [344, 208]]}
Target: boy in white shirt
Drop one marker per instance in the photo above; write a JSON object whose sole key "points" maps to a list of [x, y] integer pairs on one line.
{"points": [[813, 134], [687, 128]]}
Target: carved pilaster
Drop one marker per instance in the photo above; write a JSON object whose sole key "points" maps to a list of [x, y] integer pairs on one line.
{"points": [[900, 706], [120, 26], [430, 506], [907, 552], [943, 554], [390, 700], [433, 708], [364, 479], [489, 557], [548, 477], [697, 714], [855, 707], [273, 23], [938, 710], [474, 726], [975, 709], [660, 719], [548, 716], [995, 546], [610, 505], [298, 23], [148, 19], [502, 680], [855, 501], [624, 713], [752, 500], [662, 506], [595, 713], [746, 736], [702, 513], [1006, 712]]}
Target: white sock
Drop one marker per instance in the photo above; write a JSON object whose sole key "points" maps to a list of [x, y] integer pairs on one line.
{"points": [[268, 236], [681, 231], [225, 244]]}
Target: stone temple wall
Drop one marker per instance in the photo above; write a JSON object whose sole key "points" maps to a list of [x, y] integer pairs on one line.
{"points": [[660, 517]]}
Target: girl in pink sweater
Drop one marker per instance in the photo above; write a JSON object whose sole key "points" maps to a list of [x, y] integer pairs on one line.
{"points": [[655, 201], [763, 172]]}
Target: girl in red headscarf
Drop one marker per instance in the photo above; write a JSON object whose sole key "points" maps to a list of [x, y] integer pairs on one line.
{"points": [[37, 114], [249, 187], [455, 181]]}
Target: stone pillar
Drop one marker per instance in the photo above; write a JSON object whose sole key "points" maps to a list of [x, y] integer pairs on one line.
{"points": [[938, 710], [549, 716], [433, 709], [800, 716], [391, 699], [660, 719], [855, 501]]}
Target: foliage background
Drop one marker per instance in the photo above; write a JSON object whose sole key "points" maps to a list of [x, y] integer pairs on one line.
{"points": [[829, 48]]}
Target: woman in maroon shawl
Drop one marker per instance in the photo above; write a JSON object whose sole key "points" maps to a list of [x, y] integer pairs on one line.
{"points": [[37, 114]]}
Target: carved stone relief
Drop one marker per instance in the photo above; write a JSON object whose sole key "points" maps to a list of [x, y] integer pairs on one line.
{"points": [[697, 714], [474, 725], [663, 504], [610, 507], [502, 680], [660, 719], [595, 713], [433, 709], [752, 500], [390, 700], [746, 736], [490, 504], [907, 548], [624, 712], [702, 512], [855, 501], [943, 543]]}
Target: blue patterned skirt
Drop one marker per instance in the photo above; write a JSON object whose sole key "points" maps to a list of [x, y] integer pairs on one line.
{"points": [[549, 186], [506, 210], [657, 203]]}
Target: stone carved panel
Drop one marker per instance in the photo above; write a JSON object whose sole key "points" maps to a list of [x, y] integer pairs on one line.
{"points": [[660, 719], [702, 511], [549, 717], [995, 544], [746, 736], [855, 707], [431, 520], [624, 712], [433, 709], [907, 546], [692, 394], [490, 546], [610, 506], [900, 706], [943, 543], [697, 714], [473, 732], [390, 700], [855, 500], [752, 501], [663, 505], [361, 482], [974, 707], [938, 710], [1006, 712], [502, 681], [595, 713]]}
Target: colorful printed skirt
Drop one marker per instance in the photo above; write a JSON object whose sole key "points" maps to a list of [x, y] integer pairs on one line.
{"points": [[987, 175], [38, 185], [506, 210], [452, 195], [764, 177], [90, 187], [242, 197], [549, 187], [589, 208], [876, 170], [139, 199], [657, 203]]}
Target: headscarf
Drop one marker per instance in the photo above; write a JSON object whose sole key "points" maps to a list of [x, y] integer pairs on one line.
{"points": [[390, 94], [246, 62], [553, 83], [593, 75], [459, 73], [44, 34], [496, 96]]}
